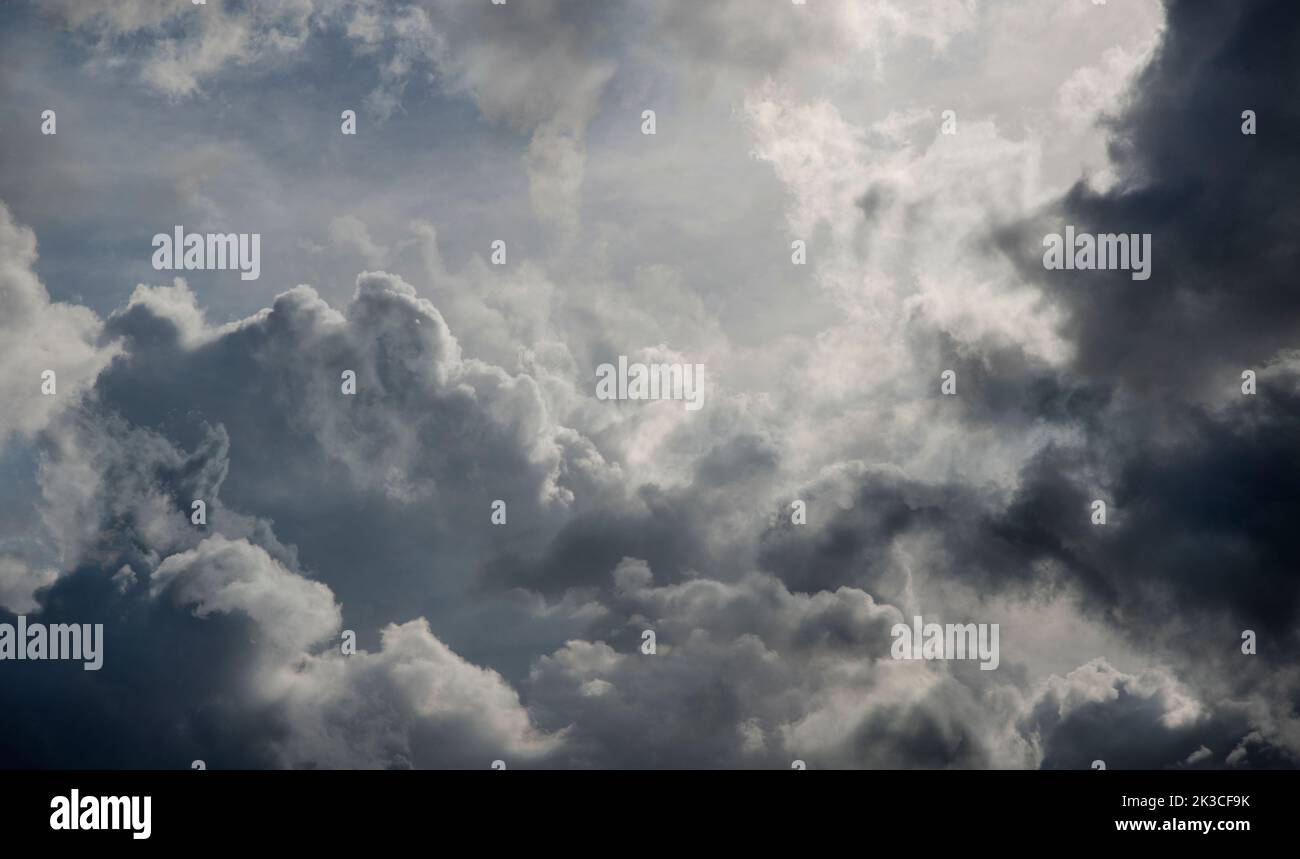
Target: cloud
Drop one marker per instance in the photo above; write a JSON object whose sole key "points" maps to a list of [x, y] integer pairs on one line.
{"points": [[270, 668], [370, 511], [1096, 712], [1183, 171], [539, 69], [749, 674], [186, 45], [223, 575], [37, 335], [414, 703], [19, 584], [728, 38]]}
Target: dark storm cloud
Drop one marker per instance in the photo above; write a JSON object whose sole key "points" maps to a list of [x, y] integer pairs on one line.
{"points": [[1001, 386], [118, 497], [1220, 207], [366, 492], [170, 690], [1198, 478], [371, 512], [1197, 546], [1097, 713], [852, 546], [285, 498], [668, 527], [590, 545], [1199, 526], [416, 456], [1198, 493], [749, 674]]}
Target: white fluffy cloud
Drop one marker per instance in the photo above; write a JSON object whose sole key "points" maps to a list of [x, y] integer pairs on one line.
{"points": [[36, 335], [223, 576], [414, 702]]}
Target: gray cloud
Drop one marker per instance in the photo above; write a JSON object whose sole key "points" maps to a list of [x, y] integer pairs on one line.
{"points": [[370, 512]]}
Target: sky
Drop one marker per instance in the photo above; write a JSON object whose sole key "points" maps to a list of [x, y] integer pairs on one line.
{"points": [[838, 220]]}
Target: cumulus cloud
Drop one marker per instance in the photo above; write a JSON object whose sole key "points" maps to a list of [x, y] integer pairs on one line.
{"points": [[38, 335], [1183, 169], [223, 575], [331, 512], [1095, 710], [414, 703]]}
